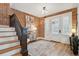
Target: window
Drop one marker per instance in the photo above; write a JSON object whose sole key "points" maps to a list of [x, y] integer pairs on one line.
{"points": [[67, 23], [61, 24], [55, 25]]}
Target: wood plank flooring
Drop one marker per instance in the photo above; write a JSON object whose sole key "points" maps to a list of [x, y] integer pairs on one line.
{"points": [[17, 54]]}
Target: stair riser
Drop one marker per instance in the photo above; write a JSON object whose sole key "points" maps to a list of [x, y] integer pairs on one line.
{"points": [[7, 29], [5, 46], [8, 39], [10, 53], [4, 26], [2, 34]]}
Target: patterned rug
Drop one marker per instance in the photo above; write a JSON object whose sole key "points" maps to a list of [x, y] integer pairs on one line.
{"points": [[47, 48]]}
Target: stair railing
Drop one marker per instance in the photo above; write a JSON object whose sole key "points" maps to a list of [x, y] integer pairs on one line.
{"points": [[21, 32]]}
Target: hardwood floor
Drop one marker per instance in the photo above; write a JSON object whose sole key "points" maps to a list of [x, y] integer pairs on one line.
{"points": [[48, 48], [17, 54]]}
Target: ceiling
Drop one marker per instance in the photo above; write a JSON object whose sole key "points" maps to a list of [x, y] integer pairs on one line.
{"points": [[36, 8]]}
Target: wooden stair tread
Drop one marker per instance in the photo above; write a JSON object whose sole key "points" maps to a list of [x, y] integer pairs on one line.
{"points": [[7, 29], [9, 49], [8, 45], [7, 34], [9, 38], [8, 42]]}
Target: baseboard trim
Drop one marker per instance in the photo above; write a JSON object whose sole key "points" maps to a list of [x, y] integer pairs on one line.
{"points": [[40, 38]]}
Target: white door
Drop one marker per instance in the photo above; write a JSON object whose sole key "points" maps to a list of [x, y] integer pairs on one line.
{"points": [[58, 28], [55, 27], [52, 28], [66, 26]]}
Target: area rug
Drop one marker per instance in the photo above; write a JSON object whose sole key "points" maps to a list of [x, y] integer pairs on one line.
{"points": [[47, 48]]}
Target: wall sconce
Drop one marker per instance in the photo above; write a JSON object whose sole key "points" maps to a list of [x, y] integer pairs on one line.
{"points": [[74, 30]]}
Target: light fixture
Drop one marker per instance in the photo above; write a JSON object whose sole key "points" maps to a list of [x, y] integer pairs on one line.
{"points": [[44, 10], [74, 30]]}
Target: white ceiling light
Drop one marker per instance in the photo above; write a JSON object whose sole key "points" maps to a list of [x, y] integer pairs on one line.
{"points": [[44, 10]]}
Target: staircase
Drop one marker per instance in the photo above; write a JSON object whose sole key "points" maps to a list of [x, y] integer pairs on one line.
{"points": [[9, 43]]}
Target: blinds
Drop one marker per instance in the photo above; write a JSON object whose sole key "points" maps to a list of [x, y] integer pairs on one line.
{"points": [[60, 24], [55, 22], [67, 23]]}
